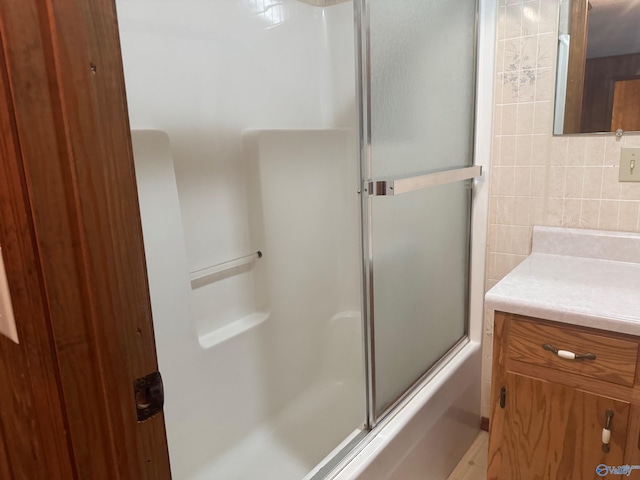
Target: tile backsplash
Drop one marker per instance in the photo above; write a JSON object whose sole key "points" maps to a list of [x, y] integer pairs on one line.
{"points": [[538, 178]]}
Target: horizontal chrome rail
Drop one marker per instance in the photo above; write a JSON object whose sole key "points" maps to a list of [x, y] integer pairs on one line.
{"points": [[223, 267], [409, 184]]}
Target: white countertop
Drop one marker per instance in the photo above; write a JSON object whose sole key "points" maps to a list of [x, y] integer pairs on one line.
{"points": [[582, 277]]}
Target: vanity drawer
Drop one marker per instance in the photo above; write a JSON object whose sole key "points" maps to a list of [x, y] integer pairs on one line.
{"points": [[615, 359]]}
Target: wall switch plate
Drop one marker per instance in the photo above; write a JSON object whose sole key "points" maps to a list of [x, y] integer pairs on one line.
{"points": [[630, 165], [7, 320]]}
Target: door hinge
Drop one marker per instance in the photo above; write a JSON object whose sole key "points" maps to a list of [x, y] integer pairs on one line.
{"points": [[148, 395], [503, 397]]}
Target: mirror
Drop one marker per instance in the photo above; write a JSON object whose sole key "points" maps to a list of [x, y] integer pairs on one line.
{"points": [[598, 79]]}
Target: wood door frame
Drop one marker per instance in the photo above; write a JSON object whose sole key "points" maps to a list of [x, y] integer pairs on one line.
{"points": [[74, 251], [28, 371], [578, 20]]}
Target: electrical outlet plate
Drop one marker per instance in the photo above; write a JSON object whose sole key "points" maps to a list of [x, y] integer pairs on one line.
{"points": [[7, 320], [630, 165]]}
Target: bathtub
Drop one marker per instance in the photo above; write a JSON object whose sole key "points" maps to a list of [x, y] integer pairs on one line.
{"points": [[429, 433], [424, 437], [245, 415]]}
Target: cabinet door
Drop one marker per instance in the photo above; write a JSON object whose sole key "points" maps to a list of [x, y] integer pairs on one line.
{"points": [[549, 431]]}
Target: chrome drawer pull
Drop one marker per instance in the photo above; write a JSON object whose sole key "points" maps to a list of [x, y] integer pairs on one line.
{"points": [[566, 354]]}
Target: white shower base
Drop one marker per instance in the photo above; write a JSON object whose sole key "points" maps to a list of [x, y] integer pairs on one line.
{"points": [[289, 445]]}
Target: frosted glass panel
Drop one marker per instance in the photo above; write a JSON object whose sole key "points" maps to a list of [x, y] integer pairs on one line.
{"points": [[422, 60], [420, 251], [422, 77]]}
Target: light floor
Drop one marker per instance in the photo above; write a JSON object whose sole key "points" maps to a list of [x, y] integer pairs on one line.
{"points": [[473, 465]]}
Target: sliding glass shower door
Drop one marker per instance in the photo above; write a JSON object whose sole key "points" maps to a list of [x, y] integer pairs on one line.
{"points": [[418, 64]]}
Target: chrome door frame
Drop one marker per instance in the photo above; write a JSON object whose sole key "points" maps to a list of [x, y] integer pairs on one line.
{"points": [[363, 94], [367, 191]]}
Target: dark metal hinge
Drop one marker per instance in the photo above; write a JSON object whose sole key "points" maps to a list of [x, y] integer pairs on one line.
{"points": [[148, 395], [503, 397]]}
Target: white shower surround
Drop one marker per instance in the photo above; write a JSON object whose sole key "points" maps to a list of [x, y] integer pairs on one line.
{"points": [[284, 85], [266, 362]]}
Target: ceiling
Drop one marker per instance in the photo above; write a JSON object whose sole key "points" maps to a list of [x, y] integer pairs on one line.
{"points": [[614, 28]]}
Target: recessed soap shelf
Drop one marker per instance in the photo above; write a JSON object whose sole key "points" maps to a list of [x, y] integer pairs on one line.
{"points": [[233, 329]]}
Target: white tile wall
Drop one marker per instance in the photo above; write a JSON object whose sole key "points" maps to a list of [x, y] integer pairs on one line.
{"points": [[536, 178]]}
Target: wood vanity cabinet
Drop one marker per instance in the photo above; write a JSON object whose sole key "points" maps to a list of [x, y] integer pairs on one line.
{"points": [[548, 412]]}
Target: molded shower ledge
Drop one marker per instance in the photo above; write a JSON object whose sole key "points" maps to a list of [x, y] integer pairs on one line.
{"points": [[233, 329]]}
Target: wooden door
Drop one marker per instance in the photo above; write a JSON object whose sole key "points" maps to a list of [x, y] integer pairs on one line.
{"points": [[553, 432], [626, 98], [72, 244]]}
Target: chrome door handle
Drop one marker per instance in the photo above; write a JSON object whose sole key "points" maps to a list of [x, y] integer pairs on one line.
{"points": [[380, 188]]}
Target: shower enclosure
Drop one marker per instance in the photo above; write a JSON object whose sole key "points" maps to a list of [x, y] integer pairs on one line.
{"points": [[305, 174]]}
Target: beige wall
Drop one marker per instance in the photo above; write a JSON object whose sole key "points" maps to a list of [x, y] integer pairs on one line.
{"points": [[536, 178]]}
